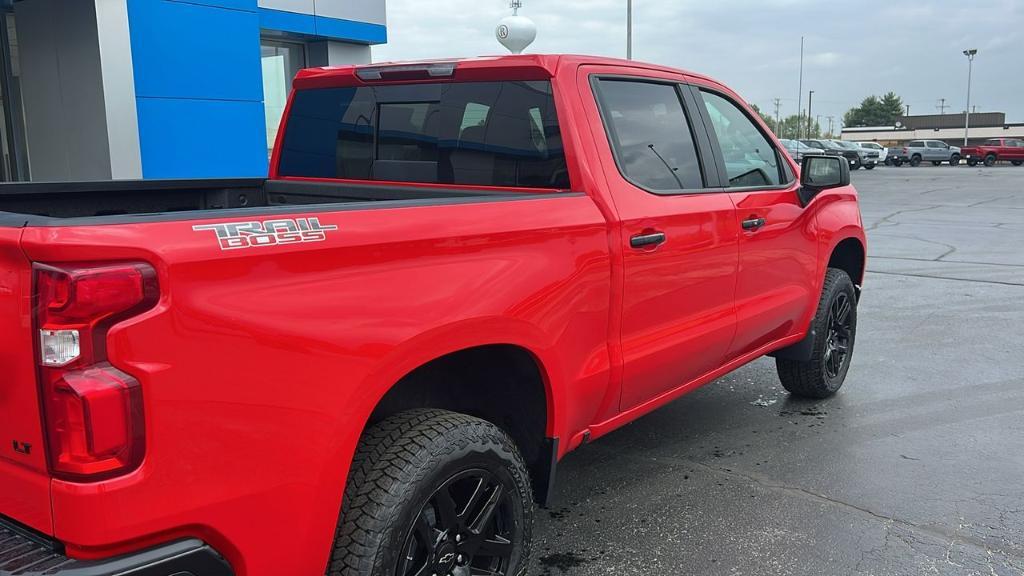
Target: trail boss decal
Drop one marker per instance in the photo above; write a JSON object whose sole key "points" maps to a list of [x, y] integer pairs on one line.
{"points": [[236, 235]]}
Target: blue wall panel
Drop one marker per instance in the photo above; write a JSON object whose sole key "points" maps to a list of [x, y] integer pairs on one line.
{"points": [[182, 50], [361, 32], [282, 21], [249, 5], [202, 138]]}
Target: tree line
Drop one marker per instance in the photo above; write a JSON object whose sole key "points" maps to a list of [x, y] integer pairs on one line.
{"points": [[882, 110]]}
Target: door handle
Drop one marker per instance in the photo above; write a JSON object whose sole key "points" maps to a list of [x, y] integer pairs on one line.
{"points": [[648, 240], [754, 223]]}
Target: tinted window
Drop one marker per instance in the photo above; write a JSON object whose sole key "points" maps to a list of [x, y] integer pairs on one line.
{"points": [[750, 160], [477, 133], [649, 132]]}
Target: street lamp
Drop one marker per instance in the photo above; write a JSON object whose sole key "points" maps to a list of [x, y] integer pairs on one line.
{"points": [[967, 113]]}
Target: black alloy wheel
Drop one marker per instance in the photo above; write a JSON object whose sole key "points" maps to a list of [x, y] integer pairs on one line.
{"points": [[915, 160], [954, 160], [837, 342], [466, 528]]}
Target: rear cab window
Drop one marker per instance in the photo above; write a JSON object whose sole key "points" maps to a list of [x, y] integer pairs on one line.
{"points": [[503, 134]]}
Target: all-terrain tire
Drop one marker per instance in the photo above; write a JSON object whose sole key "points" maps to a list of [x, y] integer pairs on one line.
{"points": [[400, 465], [954, 160], [815, 378], [915, 160]]}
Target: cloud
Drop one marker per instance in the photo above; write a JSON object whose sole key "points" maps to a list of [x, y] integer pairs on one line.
{"points": [[754, 45]]}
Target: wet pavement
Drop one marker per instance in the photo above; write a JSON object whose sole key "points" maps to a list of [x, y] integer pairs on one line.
{"points": [[915, 467]]}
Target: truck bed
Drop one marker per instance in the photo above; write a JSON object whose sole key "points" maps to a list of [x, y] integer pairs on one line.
{"points": [[35, 203]]}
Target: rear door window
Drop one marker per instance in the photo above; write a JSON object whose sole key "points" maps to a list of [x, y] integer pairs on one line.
{"points": [[472, 133], [650, 134]]}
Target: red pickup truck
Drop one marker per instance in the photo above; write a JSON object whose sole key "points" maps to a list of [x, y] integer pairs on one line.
{"points": [[371, 362], [994, 150]]}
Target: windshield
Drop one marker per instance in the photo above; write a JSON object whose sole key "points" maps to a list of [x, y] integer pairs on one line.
{"points": [[847, 145]]}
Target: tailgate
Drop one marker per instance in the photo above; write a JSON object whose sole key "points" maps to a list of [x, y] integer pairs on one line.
{"points": [[24, 481]]}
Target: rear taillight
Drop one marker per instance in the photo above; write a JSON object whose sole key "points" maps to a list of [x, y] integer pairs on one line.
{"points": [[93, 411]]}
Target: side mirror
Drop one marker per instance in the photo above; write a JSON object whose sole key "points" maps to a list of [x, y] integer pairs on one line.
{"points": [[818, 173]]}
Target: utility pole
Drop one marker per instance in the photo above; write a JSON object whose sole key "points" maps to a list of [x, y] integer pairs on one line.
{"points": [[908, 111], [967, 114], [629, 29], [810, 99], [778, 127], [800, 91], [830, 126], [941, 106]]}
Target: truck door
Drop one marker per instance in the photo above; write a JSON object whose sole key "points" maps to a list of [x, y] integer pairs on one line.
{"points": [[678, 232], [778, 244]]}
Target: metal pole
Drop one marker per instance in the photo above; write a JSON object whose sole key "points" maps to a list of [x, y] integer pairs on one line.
{"points": [[800, 92], [810, 99], [967, 112], [629, 29]]}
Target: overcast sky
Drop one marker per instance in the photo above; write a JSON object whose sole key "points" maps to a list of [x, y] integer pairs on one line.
{"points": [[852, 48]]}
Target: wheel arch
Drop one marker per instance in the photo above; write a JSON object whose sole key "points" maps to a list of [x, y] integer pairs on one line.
{"points": [[505, 379], [849, 255]]}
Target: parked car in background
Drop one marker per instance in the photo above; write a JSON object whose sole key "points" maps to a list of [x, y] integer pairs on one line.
{"points": [[797, 149], [883, 152], [866, 158], [993, 150], [828, 147], [934, 151], [371, 362]]}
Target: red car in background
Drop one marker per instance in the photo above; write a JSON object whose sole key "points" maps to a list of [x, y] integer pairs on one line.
{"points": [[995, 150]]}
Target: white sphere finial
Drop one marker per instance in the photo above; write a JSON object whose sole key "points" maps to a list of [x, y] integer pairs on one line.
{"points": [[516, 32]]}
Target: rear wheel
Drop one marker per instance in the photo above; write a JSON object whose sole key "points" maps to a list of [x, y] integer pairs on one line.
{"points": [[990, 160], [1016, 162], [435, 492], [954, 160], [934, 163], [915, 160], [835, 329]]}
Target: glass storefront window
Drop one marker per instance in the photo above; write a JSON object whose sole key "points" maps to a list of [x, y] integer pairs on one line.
{"points": [[281, 61]]}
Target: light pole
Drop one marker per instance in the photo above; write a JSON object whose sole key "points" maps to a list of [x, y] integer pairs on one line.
{"points": [[800, 92], [629, 29], [810, 100], [967, 111]]}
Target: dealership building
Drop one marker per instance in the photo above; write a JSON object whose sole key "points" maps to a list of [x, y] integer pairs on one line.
{"points": [[949, 128], [101, 89]]}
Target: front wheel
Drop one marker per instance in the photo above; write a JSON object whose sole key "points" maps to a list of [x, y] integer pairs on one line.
{"points": [[835, 329], [856, 164], [434, 492], [915, 161], [869, 166], [972, 162], [954, 160], [897, 162]]}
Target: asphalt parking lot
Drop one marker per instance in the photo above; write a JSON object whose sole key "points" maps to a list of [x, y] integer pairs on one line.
{"points": [[916, 467]]}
